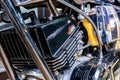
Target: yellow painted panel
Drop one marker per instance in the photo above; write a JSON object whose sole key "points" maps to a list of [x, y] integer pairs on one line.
{"points": [[90, 31]]}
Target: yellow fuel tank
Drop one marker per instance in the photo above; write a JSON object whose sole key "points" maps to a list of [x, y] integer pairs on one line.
{"points": [[90, 31]]}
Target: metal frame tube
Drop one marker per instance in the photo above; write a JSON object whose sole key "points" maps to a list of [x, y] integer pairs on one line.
{"points": [[25, 36], [7, 65], [52, 8]]}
